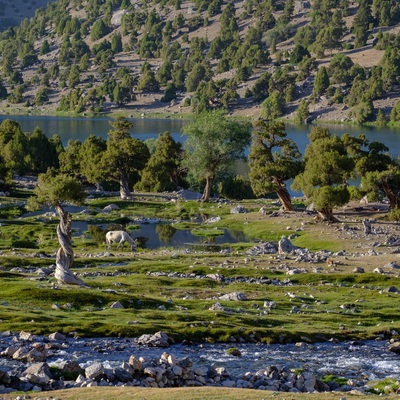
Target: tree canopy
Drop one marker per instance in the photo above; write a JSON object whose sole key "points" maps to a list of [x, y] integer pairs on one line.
{"points": [[213, 142]]}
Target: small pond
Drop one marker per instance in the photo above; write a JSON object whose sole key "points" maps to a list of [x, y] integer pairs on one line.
{"points": [[157, 235]]}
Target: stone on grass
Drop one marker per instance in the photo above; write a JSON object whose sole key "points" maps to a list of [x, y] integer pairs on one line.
{"points": [[234, 296], [285, 245], [116, 304]]}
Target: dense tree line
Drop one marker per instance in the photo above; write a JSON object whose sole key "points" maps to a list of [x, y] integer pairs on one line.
{"points": [[205, 162]]}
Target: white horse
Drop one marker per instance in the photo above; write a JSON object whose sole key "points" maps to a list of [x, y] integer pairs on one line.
{"points": [[119, 237]]}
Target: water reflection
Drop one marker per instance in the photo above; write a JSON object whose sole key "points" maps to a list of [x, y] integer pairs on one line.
{"points": [[154, 236]]}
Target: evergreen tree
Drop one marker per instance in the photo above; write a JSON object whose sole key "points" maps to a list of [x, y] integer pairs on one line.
{"points": [[327, 167], [273, 159], [361, 23], [321, 82], [162, 171]]}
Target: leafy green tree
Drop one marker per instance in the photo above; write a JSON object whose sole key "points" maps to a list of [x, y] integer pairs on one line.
{"points": [[6, 176], [386, 12], [169, 94], [273, 106], [390, 64], [124, 157], [195, 76], [74, 76], [387, 182], [302, 112], [364, 111], [69, 159], [361, 23], [339, 69], [273, 159], [41, 96], [3, 91], [298, 53], [321, 82], [116, 43], [261, 87], [42, 152], [164, 74], [378, 171], [327, 167], [213, 142], [381, 119], [91, 153], [148, 81], [17, 95], [99, 30], [14, 147], [162, 171], [395, 113], [53, 189], [45, 48]]}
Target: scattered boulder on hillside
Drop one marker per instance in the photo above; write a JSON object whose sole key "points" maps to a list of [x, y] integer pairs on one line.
{"points": [[263, 248], [110, 207], [238, 210], [285, 246], [235, 296], [392, 265], [391, 289]]}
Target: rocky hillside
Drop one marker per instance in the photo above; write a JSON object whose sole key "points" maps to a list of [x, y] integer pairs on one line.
{"points": [[329, 60]]}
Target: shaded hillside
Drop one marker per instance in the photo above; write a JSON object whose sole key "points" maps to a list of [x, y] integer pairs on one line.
{"points": [[330, 59]]}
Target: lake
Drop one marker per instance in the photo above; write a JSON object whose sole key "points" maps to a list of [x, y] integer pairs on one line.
{"points": [[146, 128]]}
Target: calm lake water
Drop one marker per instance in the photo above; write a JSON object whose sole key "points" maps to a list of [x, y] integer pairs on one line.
{"points": [[146, 128]]}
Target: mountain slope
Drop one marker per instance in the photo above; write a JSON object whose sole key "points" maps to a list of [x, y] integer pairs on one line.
{"points": [[256, 58]]}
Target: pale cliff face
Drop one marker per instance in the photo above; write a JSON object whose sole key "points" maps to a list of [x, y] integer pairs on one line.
{"points": [[13, 12]]}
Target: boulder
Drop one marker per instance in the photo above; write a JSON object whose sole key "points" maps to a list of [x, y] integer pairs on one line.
{"points": [[159, 339], [95, 370], [263, 248], [110, 207], [395, 347], [235, 296], [135, 363], [238, 210], [285, 245], [38, 373], [57, 336], [116, 304], [391, 289]]}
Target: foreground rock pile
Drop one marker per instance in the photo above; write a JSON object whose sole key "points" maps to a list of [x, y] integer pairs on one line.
{"points": [[165, 371]]}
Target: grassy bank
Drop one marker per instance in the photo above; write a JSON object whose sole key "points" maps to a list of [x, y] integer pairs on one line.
{"points": [[174, 289], [106, 393]]}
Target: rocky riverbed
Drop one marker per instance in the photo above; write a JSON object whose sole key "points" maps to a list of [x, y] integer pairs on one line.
{"points": [[29, 362]]}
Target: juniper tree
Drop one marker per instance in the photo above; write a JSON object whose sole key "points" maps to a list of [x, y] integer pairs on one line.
{"points": [[327, 167], [273, 159]]}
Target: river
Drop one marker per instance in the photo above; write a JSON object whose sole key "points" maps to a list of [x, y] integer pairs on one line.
{"points": [[146, 128]]}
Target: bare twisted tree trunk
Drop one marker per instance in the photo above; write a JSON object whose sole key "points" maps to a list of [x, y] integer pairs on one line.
{"points": [[124, 191], [65, 254]]}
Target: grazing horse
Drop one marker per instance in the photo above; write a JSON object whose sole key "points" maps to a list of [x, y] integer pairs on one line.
{"points": [[119, 237]]}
